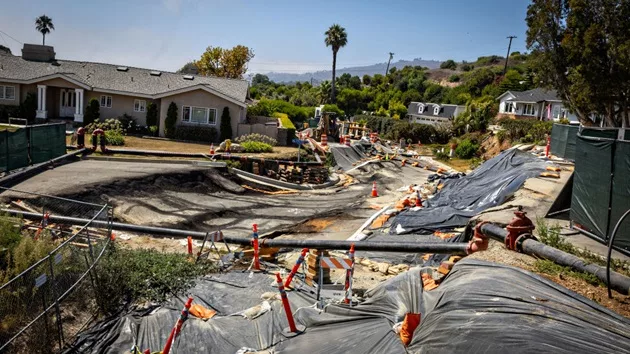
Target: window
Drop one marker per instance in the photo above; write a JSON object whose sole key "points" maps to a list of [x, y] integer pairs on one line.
{"points": [[199, 115], [139, 105], [436, 110], [421, 108], [7, 92], [528, 110], [106, 101], [509, 107]]}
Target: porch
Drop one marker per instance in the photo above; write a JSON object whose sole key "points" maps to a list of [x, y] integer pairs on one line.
{"points": [[57, 102]]}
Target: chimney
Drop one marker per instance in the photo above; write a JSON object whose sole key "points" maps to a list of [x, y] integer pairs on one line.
{"points": [[36, 52]]}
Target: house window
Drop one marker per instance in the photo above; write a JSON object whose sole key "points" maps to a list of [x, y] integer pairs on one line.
{"points": [[421, 108], [7, 92], [139, 105], [436, 110], [106, 101], [528, 110], [509, 107], [199, 115]]}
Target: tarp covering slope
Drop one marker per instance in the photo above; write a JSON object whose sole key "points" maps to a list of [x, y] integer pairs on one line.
{"points": [[480, 307], [460, 199], [347, 156]]}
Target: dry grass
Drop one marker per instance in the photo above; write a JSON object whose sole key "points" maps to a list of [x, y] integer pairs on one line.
{"points": [[461, 165], [132, 142]]}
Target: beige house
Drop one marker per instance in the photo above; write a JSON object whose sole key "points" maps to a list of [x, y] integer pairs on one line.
{"points": [[64, 87]]}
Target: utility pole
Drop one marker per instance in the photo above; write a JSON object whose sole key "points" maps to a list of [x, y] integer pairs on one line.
{"points": [[391, 55], [508, 54]]}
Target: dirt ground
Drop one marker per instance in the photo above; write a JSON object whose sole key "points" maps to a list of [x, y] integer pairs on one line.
{"points": [[132, 142]]}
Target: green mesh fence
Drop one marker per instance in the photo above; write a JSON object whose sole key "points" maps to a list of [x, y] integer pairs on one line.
{"points": [[47, 142], [563, 138], [31, 145], [601, 185]]}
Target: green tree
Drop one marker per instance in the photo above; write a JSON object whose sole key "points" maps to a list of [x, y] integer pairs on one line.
{"points": [[336, 38], [28, 108], [189, 68], [152, 115], [171, 120], [226, 125], [324, 92], [43, 24], [581, 48], [92, 112], [511, 81], [229, 63], [367, 80], [260, 79], [449, 64]]}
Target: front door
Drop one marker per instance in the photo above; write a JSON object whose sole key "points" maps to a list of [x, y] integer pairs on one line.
{"points": [[68, 103]]}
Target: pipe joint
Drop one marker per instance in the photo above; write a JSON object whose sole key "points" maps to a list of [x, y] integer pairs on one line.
{"points": [[519, 225], [479, 241], [518, 245]]}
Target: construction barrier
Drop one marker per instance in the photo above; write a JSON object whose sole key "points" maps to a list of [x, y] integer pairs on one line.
{"points": [[296, 267], [178, 326], [256, 250], [31, 145], [346, 264]]}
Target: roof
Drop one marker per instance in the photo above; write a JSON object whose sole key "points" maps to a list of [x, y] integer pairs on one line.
{"points": [[446, 110], [535, 95], [107, 77]]}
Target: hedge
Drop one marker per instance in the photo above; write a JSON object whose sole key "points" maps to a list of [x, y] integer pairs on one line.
{"points": [[532, 130], [395, 129], [196, 133], [288, 124]]}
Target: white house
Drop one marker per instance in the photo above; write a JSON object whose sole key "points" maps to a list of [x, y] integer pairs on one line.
{"points": [[433, 113], [538, 104]]}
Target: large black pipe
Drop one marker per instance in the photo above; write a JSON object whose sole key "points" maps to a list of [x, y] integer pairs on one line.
{"points": [[534, 248], [409, 247]]}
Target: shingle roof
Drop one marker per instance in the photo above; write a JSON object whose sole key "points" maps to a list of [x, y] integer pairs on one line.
{"points": [[535, 95], [105, 76], [446, 110]]}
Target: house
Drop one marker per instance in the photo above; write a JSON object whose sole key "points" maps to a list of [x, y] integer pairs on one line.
{"points": [[64, 87], [538, 104], [433, 113]]}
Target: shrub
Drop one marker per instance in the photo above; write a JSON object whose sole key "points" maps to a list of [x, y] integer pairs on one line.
{"points": [[256, 137], [501, 135], [517, 129], [256, 146], [226, 125], [564, 121], [466, 67], [475, 162], [171, 120], [7, 111], [196, 133], [453, 78], [466, 149], [266, 108], [449, 64], [111, 124], [28, 108], [154, 130], [442, 156], [129, 124], [92, 112], [152, 115], [126, 275], [114, 138]]}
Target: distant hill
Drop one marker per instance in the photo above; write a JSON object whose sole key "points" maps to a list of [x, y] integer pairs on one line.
{"points": [[379, 68]]}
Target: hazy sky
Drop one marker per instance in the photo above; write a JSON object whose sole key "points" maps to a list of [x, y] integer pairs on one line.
{"points": [[286, 36]]}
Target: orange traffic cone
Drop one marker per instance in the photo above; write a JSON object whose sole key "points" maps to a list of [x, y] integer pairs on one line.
{"points": [[212, 149], [374, 192], [418, 200], [403, 162]]}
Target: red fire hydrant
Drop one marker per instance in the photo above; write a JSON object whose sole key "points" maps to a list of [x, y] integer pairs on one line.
{"points": [[518, 226], [81, 138]]}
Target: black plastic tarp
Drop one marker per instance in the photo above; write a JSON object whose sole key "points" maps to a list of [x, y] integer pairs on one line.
{"points": [[480, 307], [347, 156], [460, 199]]}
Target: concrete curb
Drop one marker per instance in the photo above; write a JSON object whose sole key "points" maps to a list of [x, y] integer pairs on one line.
{"points": [[285, 185], [35, 169], [172, 162]]}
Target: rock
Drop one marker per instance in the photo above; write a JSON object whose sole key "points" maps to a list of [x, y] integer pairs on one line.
{"points": [[366, 262], [233, 148], [397, 269], [383, 267]]}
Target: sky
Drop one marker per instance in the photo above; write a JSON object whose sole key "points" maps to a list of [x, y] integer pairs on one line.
{"points": [[286, 36]]}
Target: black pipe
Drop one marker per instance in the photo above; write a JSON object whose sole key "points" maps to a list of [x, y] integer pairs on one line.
{"points": [[534, 248], [610, 246], [410, 247]]}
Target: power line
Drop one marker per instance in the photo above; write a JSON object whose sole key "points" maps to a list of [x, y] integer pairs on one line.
{"points": [[1, 31]]}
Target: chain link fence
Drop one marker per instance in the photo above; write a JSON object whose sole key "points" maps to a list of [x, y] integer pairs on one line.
{"points": [[48, 291]]}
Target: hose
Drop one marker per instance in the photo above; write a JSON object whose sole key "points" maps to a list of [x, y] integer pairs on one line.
{"points": [[610, 244]]}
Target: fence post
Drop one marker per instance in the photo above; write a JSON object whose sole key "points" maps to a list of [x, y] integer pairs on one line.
{"points": [[6, 139], [57, 310]]}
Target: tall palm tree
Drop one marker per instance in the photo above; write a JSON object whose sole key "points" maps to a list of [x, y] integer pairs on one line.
{"points": [[44, 24], [336, 37]]}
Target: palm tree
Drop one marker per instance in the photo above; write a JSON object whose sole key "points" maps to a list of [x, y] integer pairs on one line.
{"points": [[324, 91], [336, 37], [44, 24]]}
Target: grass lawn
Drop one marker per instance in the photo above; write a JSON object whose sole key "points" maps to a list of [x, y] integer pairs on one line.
{"points": [[132, 142]]}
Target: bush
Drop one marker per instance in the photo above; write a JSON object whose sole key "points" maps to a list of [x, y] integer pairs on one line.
{"points": [[564, 121], [501, 135], [449, 64], [114, 138], [152, 115], [226, 125], [288, 124], [466, 149], [111, 124], [28, 108], [171, 120], [7, 111], [129, 124], [126, 276], [517, 129], [256, 137], [92, 112], [442, 156], [266, 108], [256, 146], [453, 78], [196, 133]]}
